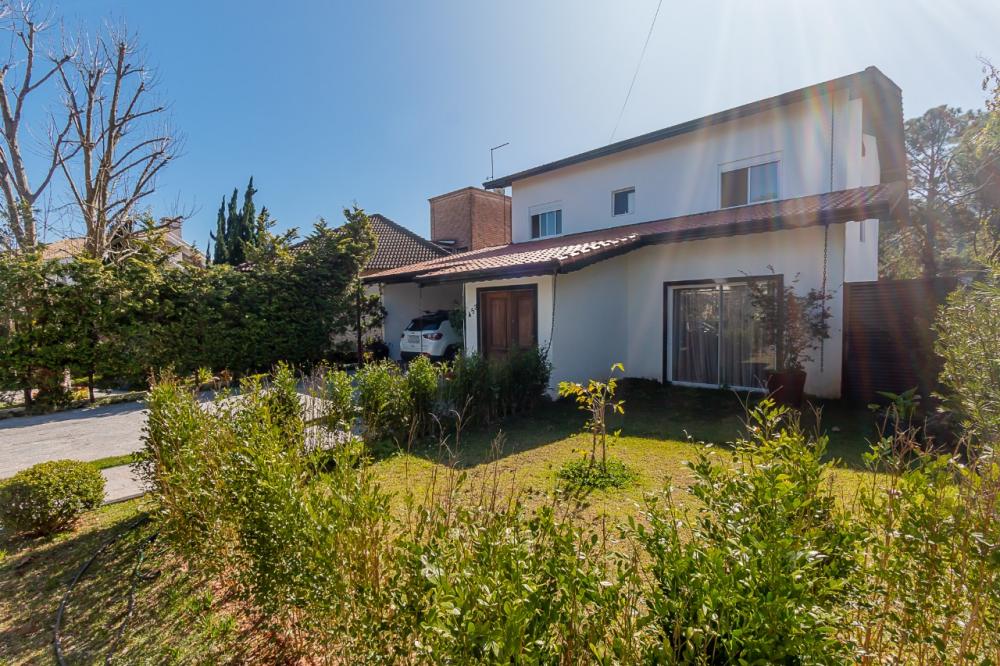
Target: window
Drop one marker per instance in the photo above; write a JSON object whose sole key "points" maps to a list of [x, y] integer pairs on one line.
{"points": [[624, 201], [719, 336], [546, 224], [749, 185]]}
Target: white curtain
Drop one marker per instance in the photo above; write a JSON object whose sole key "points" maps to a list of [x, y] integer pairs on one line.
{"points": [[717, 338]]}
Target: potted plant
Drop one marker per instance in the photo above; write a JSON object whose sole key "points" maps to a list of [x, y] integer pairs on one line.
{"points": [[794, 325]]}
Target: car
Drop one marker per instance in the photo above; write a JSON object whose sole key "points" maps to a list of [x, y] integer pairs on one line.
{"points": [[430, 335]]}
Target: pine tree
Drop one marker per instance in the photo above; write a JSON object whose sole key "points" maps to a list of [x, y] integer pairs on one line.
{"points": [[248, 217]]}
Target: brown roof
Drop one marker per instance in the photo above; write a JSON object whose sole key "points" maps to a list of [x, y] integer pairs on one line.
{"points": [[574, 251], [64, 248], [398, 246]]}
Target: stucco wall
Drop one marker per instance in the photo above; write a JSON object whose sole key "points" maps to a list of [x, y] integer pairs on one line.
{"points": [[681, 175], [790, 253], [405, 301]]}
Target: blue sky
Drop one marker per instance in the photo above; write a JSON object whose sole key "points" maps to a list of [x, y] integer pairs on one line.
{"points": [[389, 103]]}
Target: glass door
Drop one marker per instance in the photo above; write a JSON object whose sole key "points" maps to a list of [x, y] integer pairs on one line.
{"points": [[719, 338]]}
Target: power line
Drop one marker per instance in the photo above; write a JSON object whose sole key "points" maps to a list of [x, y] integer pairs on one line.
{"points": [[636, 74]]}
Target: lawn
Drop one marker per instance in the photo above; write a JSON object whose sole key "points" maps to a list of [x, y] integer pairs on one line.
{"points": [[181, 619], [663, 427]]}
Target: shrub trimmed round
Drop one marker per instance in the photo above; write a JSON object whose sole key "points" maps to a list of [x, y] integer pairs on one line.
{"points": [[49, 496]]}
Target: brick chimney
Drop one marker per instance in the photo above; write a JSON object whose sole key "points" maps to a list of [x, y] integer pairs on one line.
{"points": [[470, 218]]}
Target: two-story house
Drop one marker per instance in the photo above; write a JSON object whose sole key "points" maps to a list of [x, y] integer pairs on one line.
{"points": [[639, 251]]}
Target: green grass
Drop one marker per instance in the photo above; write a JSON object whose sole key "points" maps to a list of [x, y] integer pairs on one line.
{"points": [[113, 461], [663, 427], [182, 619], [177, 618]]}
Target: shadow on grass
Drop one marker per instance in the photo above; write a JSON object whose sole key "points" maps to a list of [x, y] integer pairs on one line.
{"points": [[657, 411], [175, 618]]}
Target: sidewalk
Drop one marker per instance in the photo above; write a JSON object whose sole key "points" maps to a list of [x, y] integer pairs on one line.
{"points": [[120, 484]]}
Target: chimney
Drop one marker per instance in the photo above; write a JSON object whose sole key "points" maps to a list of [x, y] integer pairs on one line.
{"points": [[470, 218]]}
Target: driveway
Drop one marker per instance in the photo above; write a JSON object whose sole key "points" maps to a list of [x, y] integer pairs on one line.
{"points": [[79, 434]]}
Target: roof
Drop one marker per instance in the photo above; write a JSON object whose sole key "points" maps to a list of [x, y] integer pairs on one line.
{"points": [[65, 248], [571, 252], [870, 83], [398, 246]]}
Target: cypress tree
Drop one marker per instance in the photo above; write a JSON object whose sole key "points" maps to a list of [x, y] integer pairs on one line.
{"points": [[234, 232], [248, 217], [221, 255]]}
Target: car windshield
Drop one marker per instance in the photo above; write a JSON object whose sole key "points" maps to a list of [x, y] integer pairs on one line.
{"points": [[429, 323]]}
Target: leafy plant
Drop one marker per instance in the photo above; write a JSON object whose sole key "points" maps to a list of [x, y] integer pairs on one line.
{"points": [[793, 324], [761, 572], [384, 402], [584, 473], [596, 398], [50, 496]]}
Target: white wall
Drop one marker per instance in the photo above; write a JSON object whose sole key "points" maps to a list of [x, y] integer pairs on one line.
{"points": [[861, 238], [405, 301], [790, 253], [680, 175]]}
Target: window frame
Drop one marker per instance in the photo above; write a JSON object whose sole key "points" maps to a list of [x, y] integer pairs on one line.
{"points": [[748, 164], [541, 209], [623, 190]]}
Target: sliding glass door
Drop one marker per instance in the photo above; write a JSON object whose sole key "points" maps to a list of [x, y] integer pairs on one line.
{"points": [[717, 337]]}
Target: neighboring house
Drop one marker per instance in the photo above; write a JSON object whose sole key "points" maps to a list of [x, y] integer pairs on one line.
{"points": [[398, 246], [638, 251], [181, 251]]}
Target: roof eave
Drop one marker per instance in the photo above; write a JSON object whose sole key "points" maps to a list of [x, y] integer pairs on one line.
{"points": [[735, 113]]}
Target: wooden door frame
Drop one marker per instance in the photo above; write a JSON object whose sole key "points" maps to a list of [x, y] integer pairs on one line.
{"points": [[480, 337]]}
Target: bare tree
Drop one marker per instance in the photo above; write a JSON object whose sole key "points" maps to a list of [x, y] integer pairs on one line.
{"points": [[120, 138], [19, 79]]}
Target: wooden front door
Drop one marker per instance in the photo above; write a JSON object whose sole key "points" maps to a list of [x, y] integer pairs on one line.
{"points": [[508, 320]]}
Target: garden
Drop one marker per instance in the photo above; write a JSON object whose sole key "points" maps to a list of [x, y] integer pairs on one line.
{"points": [[455, 514]]}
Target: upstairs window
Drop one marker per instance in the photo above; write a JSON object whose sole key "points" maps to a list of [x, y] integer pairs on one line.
{"points": [[546, 224], [748, 185], [624, 201]]}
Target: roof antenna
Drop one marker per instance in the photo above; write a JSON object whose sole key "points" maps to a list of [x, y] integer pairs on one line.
{"points": [[491, 156]]}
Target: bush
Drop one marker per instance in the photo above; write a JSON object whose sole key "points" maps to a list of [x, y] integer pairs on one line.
{"points": [[422, 383], [484, 391], [760, 573], [586, 473], [339, 409], [384, 402], [469, 389], [50, 496]]}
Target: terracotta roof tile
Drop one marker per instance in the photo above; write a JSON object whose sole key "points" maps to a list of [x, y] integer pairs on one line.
{"points": [[570, 252], [398, 246]]}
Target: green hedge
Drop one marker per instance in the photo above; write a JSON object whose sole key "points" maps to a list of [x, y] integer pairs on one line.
{"points": [[50, 496]]}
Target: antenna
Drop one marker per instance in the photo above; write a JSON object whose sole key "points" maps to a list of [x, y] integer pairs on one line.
{"points": [[491, 156]]}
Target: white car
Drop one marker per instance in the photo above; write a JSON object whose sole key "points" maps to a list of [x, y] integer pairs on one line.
{"points": [[430, 335]]}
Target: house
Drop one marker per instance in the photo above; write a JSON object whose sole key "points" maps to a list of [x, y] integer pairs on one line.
{"points": [[638, 252], [181, 252], [466, 219]]}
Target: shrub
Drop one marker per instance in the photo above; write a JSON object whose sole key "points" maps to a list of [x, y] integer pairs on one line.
{"points": [[339, 408], [422, 383], [585, 473], [763, 576], [50, 496], [384, 402], [470, 390]]}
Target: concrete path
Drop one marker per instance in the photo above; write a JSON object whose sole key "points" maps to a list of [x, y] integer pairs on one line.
{"points": [[120, 484], [79, 434]]}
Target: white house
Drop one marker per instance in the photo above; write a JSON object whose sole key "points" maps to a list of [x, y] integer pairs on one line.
{"points": [[638, 251]]}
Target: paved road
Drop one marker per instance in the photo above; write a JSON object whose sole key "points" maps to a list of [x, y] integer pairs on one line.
{"points": [[79, 434]]}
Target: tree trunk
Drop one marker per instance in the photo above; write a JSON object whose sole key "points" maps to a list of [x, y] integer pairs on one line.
{"points": [[90, 385]]}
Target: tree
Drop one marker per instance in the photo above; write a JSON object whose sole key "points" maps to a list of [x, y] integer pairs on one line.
{"points": [[20, 81], [119, 140], [939, 224], [237, 229]]}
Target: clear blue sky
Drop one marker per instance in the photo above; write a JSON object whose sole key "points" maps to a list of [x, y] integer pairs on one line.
{"points": [[389, 103]]}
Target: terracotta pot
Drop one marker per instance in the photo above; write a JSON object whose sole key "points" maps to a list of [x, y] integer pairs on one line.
{"points": [[787, 387]]}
